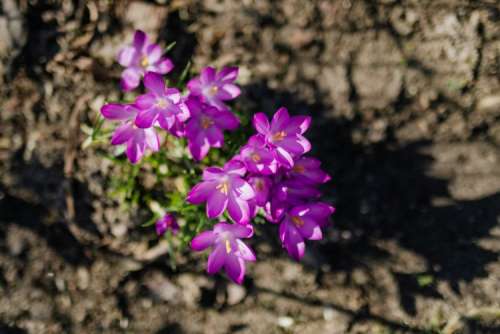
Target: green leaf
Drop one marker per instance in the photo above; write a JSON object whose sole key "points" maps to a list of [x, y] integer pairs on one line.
{"points": [[170, 46]]}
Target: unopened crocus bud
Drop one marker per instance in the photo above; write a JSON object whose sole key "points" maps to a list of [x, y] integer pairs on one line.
{"points": [[165, 223]]}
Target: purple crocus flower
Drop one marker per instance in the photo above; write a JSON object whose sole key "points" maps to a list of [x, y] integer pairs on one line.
{"points": [[224, 188], [287, 193], [262, 187], [167, 222], [257, 157], [284, 134], [161, 104], [303, 222], [205, 127], [228, 250], [139, 58], [137, 140], [295, 191], [308, 171], [214, 88]]}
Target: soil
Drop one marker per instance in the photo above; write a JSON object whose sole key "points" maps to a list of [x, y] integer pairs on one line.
{"points": [[405, 100]]}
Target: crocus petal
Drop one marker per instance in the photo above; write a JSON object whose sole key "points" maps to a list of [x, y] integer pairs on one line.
{"points": [[280, 119], [194, 86], [153, 52], [135, 148], [145, 101], [215, 136], [164, 66], [235, 167], [183, 114], [122, 134], [116, 111], [261, 123], [178, 130], [284, 158], [306, 145], [173, 94], [246, 252], [154, 82], [203, 240], [228, 92], [131, 78], [211, 173], [298, 124], [215, 102], [310, 230], [152, 140], [228, 74], [216, 203], [140, 39], [261, 186], [207, 75], [199, 146], [166, 121], [126, 56], [320, 211], [216, 259], [238, 210], [308, 170], [295, 145], [226, 120], [242, 189], [239, 231], [292, 240], [200, 192], [146, 118], [235, 268]]}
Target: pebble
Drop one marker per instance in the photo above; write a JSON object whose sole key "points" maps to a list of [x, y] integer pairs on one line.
{"points": [[235, 294], [285, 322]]}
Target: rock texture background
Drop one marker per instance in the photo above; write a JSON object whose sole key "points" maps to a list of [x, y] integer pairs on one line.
{"points": [[405, 96]]}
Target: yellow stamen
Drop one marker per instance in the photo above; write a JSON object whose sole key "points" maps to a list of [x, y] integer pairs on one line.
{"points": [[279, 136], [206, 122], [299, 169], [228, 246], [259, 185], [144, 61], [213, 90], [255, 157], [162, 103], [223, 187], [297, 221]]}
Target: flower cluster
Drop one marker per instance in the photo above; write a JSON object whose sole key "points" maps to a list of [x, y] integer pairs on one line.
{"points": [[200, 115], [270, 174]]}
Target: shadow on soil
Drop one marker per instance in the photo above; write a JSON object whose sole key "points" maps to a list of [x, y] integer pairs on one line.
{"points": [[384, 192]]}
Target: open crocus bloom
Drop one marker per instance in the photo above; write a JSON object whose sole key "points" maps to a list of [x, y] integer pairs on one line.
{"points": [[257, 157], [224, 188], [139, 58], [228, 250], [161, 104], [213, 88], [284, 135], [137, 140], [308, 171], [262, 186], [205, 127], [303, 222]]}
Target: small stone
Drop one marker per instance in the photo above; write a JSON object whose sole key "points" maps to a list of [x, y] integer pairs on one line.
{"points": [[235, 294], [83, 278], [285, 322], [489, 103]]}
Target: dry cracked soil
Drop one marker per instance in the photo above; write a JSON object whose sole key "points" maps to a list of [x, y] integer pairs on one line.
{"points": [[405, 100]]}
